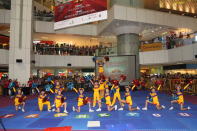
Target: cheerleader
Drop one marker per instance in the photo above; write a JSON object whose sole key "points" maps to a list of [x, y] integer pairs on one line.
{"points": [[128, 98], [96, 95], [19, 101], [100, 66], [102, 88], [106, 86], [43, 99], [108, 101], [58, 87], [178, 97], [117, 95], [60, 102], [153, 99], [82, 100]]}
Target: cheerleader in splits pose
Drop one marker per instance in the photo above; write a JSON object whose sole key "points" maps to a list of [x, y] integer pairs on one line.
{"points": [[108, 101], [116, 87], [43, 99], [128, 98], [178, 97], [82, 100], [96, 95], [153, 99], [19, 101], [60, 102]]}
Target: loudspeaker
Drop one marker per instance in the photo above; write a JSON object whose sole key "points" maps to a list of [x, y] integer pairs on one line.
{"points": [[19, 61], [69, 64], [196, 56]]}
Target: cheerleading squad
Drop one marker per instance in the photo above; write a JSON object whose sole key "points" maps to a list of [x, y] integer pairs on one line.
{"points": [[104, 92]]}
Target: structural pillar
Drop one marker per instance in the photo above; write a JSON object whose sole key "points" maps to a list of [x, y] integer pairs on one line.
{"points": [[20, 40], [128, 44]]}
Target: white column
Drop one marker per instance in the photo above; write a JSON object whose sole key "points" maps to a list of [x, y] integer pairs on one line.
{"points": [[20, 40]]}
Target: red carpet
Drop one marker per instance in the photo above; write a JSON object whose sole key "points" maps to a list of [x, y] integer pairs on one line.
{"points": [[21, 130]]}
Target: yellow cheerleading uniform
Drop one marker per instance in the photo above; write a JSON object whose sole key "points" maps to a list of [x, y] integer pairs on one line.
{"points": [[155, 99], [180, 98], [58, 101], [116, 94], [80, 100], [100, 67], [41, 102], [128, 99], [106, 85], [102, 86], [108, 100], [17, 101], [96, 95], [57, 88]]}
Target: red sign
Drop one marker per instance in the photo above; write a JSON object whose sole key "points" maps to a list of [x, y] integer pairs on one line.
{"points": [[76, 8]]}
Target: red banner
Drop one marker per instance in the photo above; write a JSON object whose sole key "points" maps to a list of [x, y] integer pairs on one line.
{"points": [[76, 8]]}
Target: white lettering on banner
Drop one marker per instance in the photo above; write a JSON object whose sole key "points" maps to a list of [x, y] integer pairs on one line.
{"points": [[81, 20]]}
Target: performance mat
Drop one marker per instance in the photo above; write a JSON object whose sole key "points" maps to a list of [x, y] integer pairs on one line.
{"points": [[150, 120]]}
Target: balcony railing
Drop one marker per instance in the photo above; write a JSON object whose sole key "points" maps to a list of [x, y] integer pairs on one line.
{"points": [[174, 44]]}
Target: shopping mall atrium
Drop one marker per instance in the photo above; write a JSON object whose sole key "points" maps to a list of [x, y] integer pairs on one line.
{"points": [[110, 65]]}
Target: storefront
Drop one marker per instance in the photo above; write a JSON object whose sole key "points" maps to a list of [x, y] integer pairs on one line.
{"points": [[61, 72]]}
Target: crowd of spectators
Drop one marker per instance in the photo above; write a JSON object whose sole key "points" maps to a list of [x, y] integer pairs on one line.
{"points": [[43, 15], [65, 49], [79, 81], [173, 40]]}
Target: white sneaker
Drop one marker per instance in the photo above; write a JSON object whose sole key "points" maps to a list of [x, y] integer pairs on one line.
{"points": [[99, 109], [19, 107], [188, 108], [53, 105], [90, 110], [65, 111], [53, 110], [23, 110], [121, 109], [73, 108], [115, 107], [138, 108], [49, 110], [171, 108], [163, 106], [144, 109]]}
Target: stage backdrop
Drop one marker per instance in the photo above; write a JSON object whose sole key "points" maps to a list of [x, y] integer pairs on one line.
{"points": [[76, 12], [118, 65]]}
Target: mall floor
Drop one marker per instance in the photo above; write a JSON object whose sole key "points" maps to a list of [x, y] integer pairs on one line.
{"points": [[151, 120]]}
